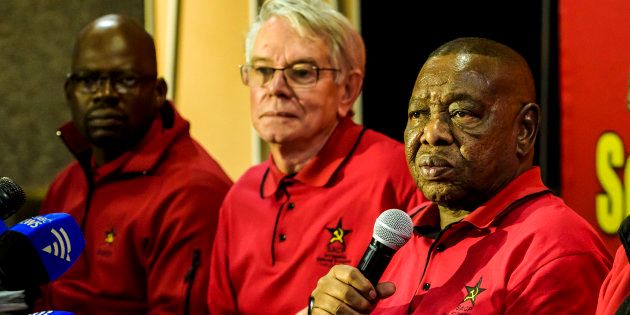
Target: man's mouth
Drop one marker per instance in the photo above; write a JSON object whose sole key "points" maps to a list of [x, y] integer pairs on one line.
{"points": [[105, 118], [433, 167]]}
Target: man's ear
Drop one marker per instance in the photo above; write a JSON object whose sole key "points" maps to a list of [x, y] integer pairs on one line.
{"points": [[351, 89], [160, 91], [528, 120], [67, 87]]}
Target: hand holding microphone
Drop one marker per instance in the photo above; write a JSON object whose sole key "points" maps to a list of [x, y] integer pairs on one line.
{"points": [[346, 289]]}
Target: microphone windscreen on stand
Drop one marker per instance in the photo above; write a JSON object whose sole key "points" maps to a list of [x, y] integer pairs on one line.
{"points": [[12, 198]]}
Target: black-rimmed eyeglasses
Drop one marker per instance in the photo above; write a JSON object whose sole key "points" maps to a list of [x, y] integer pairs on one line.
{"points": [[297, 75], [121, 82]]}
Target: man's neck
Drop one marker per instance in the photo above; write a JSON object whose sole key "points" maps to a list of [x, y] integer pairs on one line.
{"points": [[290, 158], [448, 215], [102, 157]]}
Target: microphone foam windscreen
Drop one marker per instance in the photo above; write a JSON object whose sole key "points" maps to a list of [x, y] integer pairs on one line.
{"points": [[393, 228], [12, 197]]}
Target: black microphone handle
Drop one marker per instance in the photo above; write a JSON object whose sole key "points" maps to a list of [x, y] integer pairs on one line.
{"points": [[375, 259]]}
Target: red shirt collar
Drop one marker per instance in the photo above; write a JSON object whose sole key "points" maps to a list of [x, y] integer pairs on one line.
{"points": [[526, 184], [318, 171]]}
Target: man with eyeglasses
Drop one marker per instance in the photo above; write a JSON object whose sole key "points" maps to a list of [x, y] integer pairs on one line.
{"points": [[144, 192], [313, 203]]}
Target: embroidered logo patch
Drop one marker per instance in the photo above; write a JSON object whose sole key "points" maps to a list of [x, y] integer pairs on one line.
{"points": [[109, 236], [337, 234], [105, 249], [472, 292], [336, 246]]}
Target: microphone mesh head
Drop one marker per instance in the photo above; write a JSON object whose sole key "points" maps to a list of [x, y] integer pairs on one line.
{"points": [[12, 197], [393, 228]]}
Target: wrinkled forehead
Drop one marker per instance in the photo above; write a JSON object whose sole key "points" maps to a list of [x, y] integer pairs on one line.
{"points": [[460, 71]]}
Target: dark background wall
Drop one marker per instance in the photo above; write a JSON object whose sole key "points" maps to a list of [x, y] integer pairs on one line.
{"points": [[529, 27], [36, 38]]}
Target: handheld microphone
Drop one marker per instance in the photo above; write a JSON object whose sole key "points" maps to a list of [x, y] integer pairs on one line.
{"points": [[38, 250], [12, 198], [392, 230]]}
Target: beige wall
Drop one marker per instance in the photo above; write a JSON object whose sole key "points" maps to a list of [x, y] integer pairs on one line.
{"points": [[208, 89]]}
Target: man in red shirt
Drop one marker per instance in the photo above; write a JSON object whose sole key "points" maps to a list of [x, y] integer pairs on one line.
{"points": [[310, 206], [493, 239], [145, 193], [614, 295]]}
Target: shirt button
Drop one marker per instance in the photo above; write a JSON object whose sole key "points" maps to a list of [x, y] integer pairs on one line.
{"points": [[439, 248], [426, 286], [290, 205], [282, 237]]}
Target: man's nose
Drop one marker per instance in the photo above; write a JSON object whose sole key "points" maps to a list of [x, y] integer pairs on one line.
{"points": [[437, 131], [104, 86], [278, 83], [105, 92]]}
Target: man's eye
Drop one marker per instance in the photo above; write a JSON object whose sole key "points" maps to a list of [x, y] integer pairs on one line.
{"points": [[415, 114], [302, 72], [87, 79], [464, 117], [127, 80], [460, 114], [264, 71]]}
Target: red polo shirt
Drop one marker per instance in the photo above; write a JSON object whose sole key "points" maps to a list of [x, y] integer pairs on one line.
{"points": [[278, 234], [522, 252], [616, 287]]}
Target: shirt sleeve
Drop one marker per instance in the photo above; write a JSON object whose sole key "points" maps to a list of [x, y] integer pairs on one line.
{"points": [[177, 263], [221, 297], [566, 285]]}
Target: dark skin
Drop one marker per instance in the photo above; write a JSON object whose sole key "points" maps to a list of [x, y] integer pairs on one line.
{"points": [[471, 129], [114, 121]]}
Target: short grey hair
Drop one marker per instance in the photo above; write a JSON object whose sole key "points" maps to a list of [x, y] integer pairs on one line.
{"points": [[315, 18]]}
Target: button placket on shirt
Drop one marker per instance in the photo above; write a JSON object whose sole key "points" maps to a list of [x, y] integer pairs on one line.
{"points": [[287, 206]]}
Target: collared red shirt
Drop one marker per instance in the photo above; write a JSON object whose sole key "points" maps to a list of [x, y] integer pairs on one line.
{"points": [[522, 252], [278, 234], [616, 287]]}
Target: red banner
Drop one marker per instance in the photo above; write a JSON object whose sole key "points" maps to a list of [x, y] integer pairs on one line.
{"points": [[595, 111]]}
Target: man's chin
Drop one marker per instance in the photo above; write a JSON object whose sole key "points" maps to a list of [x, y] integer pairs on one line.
{"points": [[106, 140], [277, 137], [441, 193]]}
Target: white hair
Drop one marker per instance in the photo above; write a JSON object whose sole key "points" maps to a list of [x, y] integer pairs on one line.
{"points": [[315, 18]]}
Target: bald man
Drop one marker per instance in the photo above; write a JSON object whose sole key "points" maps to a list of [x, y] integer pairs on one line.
{"points": [[492, 239], [145, 193]]}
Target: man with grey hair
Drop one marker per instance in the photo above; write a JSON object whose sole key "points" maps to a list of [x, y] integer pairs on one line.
{"points": [[312, 204]]}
